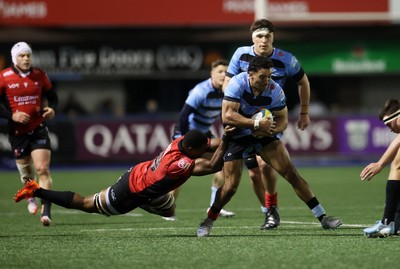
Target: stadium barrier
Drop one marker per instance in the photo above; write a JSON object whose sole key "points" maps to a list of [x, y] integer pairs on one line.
{"points": [[130, 140]]}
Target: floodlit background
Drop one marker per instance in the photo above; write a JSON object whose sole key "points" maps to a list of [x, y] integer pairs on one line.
{"points": [[128, 66]]}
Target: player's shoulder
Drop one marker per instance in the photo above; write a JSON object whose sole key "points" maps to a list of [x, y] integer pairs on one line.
{"points": [[244, 50], [180, 164], [241, 76], [237, 83], [274, 86], [282, 54], [7, 72], [38, 71], [202, 87]]}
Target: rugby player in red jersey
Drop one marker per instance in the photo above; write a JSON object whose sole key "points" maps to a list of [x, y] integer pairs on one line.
{"points": [[146, 185], [23, 92]]}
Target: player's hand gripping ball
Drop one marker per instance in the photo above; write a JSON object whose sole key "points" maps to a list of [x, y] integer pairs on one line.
{"points": [[263, 113]]}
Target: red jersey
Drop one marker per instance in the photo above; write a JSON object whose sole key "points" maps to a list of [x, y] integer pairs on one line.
{"points": [[24, 94], [169, 170]]}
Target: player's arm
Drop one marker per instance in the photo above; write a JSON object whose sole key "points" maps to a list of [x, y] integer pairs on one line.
{"points": [[205, 167], [184, 118], [374, 168], [6, 113], [304, 96], [281, 120], [213, 144], [231, 116], [52, 102]]}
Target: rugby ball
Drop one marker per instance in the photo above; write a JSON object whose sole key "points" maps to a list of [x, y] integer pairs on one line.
{"points": [[262, 113]]}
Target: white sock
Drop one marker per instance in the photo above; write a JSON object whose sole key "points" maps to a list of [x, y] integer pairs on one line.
{"points": [[26, 171], [213, 193], [318, 211], [264, 209]]}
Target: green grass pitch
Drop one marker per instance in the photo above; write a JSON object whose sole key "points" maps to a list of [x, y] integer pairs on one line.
{"points": [[142, 240]]}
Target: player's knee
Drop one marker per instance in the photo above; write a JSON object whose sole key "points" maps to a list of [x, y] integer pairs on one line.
{"points": [[255, 174], [43, 171], [163, 206], [218, 180]]}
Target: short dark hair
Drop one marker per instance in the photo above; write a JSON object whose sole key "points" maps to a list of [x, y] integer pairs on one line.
{"points": [[391, 106], [219, 62], [262, 23], [260, 62], [194, 139]]}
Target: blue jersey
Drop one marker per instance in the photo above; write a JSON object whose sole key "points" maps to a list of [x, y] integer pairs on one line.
{"points": [[206, 102], [239, 90], [285, 64]]}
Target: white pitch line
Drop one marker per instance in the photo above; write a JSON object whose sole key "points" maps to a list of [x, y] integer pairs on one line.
{"points": [[217, 227]]}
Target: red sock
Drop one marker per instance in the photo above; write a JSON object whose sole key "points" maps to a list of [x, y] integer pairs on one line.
{"points": [[212, 214], [271, 200]]}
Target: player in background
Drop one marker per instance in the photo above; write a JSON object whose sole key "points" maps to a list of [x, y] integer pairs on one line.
{"points": [[286, 66], [147, 185], [246, 94], [24, 92], [388, 225], [202, 107]]}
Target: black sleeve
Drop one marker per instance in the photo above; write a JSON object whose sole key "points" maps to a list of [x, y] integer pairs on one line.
{"points": [[184, 118], [5, 113], [52, 98], [299, 75]]}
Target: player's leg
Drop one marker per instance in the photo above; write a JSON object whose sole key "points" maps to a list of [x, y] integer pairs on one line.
{"points": [[391, 211], [278, 157], [65, 199], [270, 178], [114, 200], [256, 180], [217, 182], [41, 160], [233, 173], [163, 205], [389, 220], [175, 194], [27, 171]]}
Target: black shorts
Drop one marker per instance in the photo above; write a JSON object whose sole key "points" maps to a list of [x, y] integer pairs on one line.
{"points": [[120, 196], [251, 162], [122, 200], [245, 147], [23, 145]]}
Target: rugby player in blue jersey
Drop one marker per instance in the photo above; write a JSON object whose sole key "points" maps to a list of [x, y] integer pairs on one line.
{"points": [[246, 94], [202, 107], [285, 66]]}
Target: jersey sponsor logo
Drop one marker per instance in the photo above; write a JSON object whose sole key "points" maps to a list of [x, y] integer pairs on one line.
{"points": [[13, 86], [26, 100], [183, 164], [26, 84], [113, 195], [8, 73]]}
